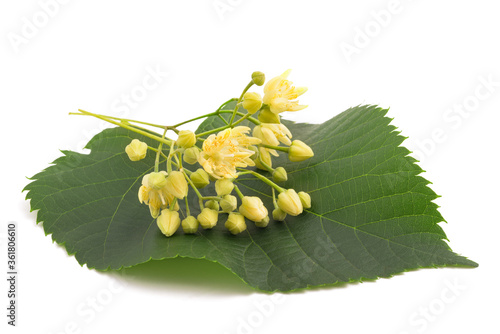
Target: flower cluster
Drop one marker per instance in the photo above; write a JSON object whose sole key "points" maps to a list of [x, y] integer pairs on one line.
{"points": [[225, 153]]}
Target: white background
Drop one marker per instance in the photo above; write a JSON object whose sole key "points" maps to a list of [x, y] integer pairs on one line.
{"points": [[426, 61]]}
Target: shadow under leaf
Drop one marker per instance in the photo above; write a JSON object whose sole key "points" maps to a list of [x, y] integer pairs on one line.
{"points": [[195, 275]]}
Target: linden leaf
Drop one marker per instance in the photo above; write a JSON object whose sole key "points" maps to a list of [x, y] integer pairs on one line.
{"points": [[372, 214]]}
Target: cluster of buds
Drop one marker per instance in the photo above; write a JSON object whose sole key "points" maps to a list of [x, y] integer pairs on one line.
{"points": [[225, 153]]}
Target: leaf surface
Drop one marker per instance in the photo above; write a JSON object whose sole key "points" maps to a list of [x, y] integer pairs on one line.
{"points": [[372, 215]]}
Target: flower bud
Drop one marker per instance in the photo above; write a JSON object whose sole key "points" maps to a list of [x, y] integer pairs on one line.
{"points": [[191, 155], [157, 180], [252, 102], [263, 223], [280, 175], [258, 78], [136, 150], [212, 204], [200, 178], [235, 223], [168, 222], [305, 199], [267, 116], [208, 218], [177, 184], [190, 225], [279, 215], [299, 151], [253, 208], [289, 201], [224, 186], [228, 203], [186, 139]]}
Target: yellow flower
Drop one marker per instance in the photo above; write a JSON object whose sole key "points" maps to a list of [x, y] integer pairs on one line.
{"points": [[157, 199], [223, 152], [136, 150], [280, 95], [272, 134], [176, 184]]}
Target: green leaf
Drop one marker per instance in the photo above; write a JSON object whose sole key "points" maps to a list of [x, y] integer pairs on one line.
{"points": [[372, 214]]}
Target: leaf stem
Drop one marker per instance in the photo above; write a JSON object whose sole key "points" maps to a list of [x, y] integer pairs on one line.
{"points": [[279, 148], [194, 119], [125, 126], [223, 119], [169, 159], [204, 116], [173, 163], [245, 117], [241, 119], [157, 160], [269, 168], [217, 198], [156, 150], [240, 194], [250, 84], [172, 205], [188, 213], [213, 131], [266, 181], [200, 197], [126, 120], [251, 119], [274, 199], [178, 158]]}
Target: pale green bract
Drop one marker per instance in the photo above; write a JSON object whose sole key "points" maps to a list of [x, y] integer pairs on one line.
{"points": [[372, 215]]}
